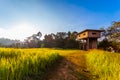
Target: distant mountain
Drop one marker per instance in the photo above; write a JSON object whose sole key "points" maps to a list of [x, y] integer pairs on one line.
{"points": [[6, 41]]}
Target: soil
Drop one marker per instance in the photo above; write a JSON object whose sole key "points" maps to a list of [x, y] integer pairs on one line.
{"points": [[70, 67]]}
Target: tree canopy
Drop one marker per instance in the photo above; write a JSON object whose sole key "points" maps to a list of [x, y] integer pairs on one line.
{"points": [[112, 36], [113, 32]]}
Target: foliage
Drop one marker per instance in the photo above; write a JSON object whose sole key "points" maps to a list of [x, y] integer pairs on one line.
{"points": [[112, 37], [33, 41], [113, 32], [105, 44], [103, 65], [61, 40], [116, 46]]}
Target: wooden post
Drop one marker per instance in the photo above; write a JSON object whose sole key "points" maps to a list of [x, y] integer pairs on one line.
{"points": [[83, 44], [95, 44], [87, 41]]}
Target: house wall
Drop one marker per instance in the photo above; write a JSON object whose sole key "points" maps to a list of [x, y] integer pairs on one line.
{"points": [[82, 35], [93, 34], [88, 34]]}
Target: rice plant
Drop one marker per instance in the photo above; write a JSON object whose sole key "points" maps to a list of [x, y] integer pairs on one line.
{"points": [[103, 65], [25, 64]]}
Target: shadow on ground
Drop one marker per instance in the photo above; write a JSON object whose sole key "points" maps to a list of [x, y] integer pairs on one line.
{"points": [[70, 67]]}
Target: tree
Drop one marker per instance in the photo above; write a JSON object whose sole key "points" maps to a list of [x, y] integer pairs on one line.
{"points": [[113, 32], [49, 41], [105, 44], [61, 40], [33, 41], [71, 40]]}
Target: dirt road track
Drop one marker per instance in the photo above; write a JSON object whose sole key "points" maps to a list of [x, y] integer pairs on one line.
{"points": [[70, 67]]}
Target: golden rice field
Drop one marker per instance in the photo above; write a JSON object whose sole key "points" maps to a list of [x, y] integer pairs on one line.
{"points": [[23, 64], [103, 65]]}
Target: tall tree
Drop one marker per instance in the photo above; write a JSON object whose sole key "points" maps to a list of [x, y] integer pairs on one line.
{"points": [[49, 40], [114, 32], [71, 40], [34, 40], [60, 39]]}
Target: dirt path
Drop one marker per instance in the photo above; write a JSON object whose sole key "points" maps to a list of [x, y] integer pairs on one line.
{"points": [[71, 67]]}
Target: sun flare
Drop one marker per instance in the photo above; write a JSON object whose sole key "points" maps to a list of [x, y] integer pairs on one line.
{"points": [[19, 31]]}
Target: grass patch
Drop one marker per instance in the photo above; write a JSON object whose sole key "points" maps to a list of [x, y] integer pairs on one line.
{"points": [[103, 65], [25, 64], [35, 64]]}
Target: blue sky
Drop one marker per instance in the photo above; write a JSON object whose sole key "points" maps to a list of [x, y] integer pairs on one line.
{"points": [[22, 18]]}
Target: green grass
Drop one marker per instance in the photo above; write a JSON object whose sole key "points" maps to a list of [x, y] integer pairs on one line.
{"points": [[103, 65]]}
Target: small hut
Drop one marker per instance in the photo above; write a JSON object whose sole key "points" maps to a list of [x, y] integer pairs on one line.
{"points": [[89, 38]]}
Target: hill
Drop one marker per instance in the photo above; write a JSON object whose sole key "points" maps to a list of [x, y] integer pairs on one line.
{"points": [[7, 42]]}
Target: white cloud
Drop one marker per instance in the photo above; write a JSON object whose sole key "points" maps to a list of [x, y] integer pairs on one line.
{"points": [[18, 31]]}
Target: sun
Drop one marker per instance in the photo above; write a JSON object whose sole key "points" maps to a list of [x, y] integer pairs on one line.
{"points": [[19, 31]]}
